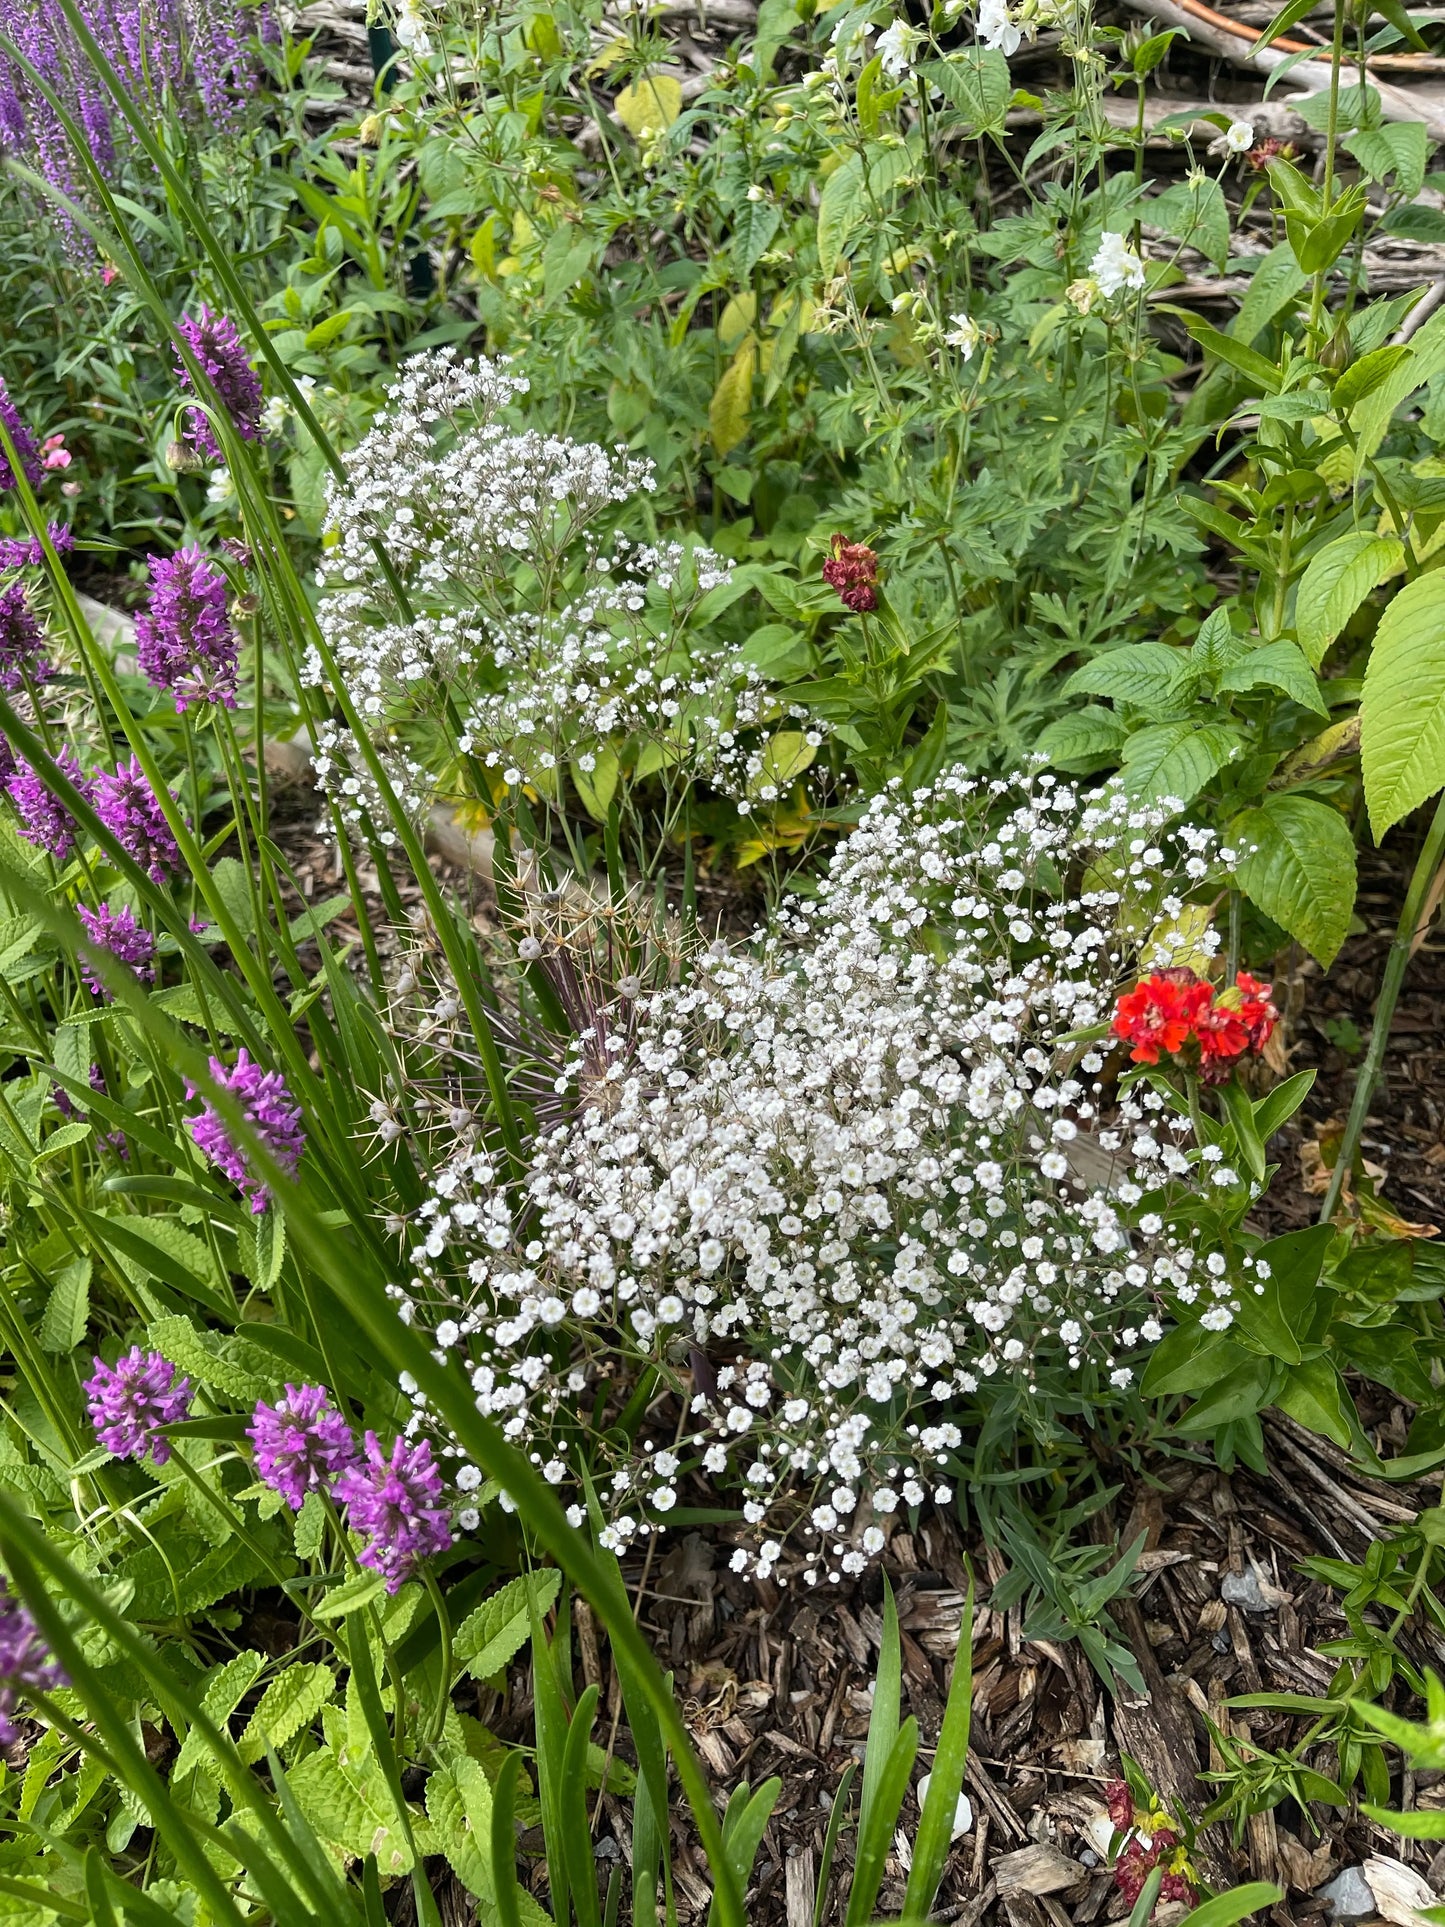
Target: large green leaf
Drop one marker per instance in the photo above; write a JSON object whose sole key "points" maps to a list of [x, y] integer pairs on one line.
{"points": [[1402, 709], [851, 193], [1176, 759], [1300, 870], [977, 81], [1147, 675], [1082, 740], [501, 1626], [1277, 665], [1335, 584]]}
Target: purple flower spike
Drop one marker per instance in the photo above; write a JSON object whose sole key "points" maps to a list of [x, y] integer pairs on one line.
{"points": [[25, 552], [394, 1502], [127, 941], [131, 811], [185, 642], [26, 1662], [44, 819], [213, 340], [131, 1400], [22, 641], [302, 1442], [25, 444], [270, 1110]]}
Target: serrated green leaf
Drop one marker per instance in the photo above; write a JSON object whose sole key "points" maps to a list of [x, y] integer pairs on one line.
{"points": [[1335, 584], [351, 1595], [1302, 872], [289, 1704], [1083, 740], [1176, 759], [1402, 707], [490, 1637], [67, 1310], [1276, 665], [1150, 676]]}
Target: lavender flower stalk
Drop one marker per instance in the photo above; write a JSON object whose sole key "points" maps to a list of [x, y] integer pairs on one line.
{"points": [[22, 641], [26, 1663], [117, 932], [184, 641], [25, 552], [302, 1443], [44, 819], [395, 1503], [131, 811], [270, 1110], [213, 340], [130, 1401], [25, 444]]}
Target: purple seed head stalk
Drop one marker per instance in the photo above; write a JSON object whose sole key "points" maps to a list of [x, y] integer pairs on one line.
{"points": [[213, 340], [185, 642]]}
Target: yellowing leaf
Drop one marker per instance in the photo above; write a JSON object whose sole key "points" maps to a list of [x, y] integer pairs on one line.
{"points": [[729, 408], [649, 106], [1179, 942], [737, 318], [787, 755]]}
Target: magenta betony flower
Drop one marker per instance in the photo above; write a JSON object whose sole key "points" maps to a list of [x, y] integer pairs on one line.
{"points": [[270, 1110], [394, 1502], [131, 811], [27, 1664], [22, 641], [25, 552], [127, 941], [25, 444], [131, 1400], [185, 642], [44, 819], [302, 1443], [213, 340]]}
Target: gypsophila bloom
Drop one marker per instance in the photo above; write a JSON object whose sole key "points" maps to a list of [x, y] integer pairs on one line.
{"points": [[26, 1663], [131, 1400], [396, 1503], [130, 809], [44, 819], [118, 933], [184, 641], [270, 1111], [1116, 265], [26, 449], [1239, 137], [302, 1443], [213, 340], [849, 1171], [22, 641]]}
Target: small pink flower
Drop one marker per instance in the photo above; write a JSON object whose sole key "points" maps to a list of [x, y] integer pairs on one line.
{"points": [[108, 274], [70, 488], [54, 453]]}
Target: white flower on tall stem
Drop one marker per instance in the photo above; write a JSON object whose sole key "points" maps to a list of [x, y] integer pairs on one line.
{"points": [[897, 45], [996, 28], [410, 30], [965, 335], [1116, 265], [1239, 137]]}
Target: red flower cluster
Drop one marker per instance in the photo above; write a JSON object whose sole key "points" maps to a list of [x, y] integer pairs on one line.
{"points": [[852, 569], [1174, 1011], [1151, 1845]]}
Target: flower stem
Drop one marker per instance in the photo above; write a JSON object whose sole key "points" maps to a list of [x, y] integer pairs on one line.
{"points": [[1412, 918]]}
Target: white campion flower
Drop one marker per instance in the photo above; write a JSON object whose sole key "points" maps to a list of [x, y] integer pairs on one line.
{"points": [[996, 29], [964, 335], [410, 30], [1116, 265], [1239, 137], [897, 45]]}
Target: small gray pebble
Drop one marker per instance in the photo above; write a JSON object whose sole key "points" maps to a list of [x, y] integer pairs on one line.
{"points": [[1348, 1896]]}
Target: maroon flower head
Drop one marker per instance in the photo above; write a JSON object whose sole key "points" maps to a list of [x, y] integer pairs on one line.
{"points": [[852, 569], [26, 1662], [184, 641], [270, 1110], [213, 340], [131, 811], [131, 1400], [395, 1503], [302, 1443]]}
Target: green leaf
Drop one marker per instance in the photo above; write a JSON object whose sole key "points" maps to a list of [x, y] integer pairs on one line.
{"points": [[1399, 148], [1288, 15], [1426, 1823], [978, 83], [290, 1703], [1147, 675], [203, 1355], [1238, 1903], [754, 225], [852, 193], [1083, 739], [1364, 376], [459, 1806], [1176, 759], [1277, 665], [1402, 708], [350, 1596], [67, 1310], [1300, 870], [1275, 282], [1235, 354], [1314, 1394], [1195, 213], [1335, 584], [489, 1638]]}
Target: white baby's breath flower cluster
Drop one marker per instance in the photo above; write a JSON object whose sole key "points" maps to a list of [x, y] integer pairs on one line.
{"points": [[836, 1185], [536, 640], [343, 774]]}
